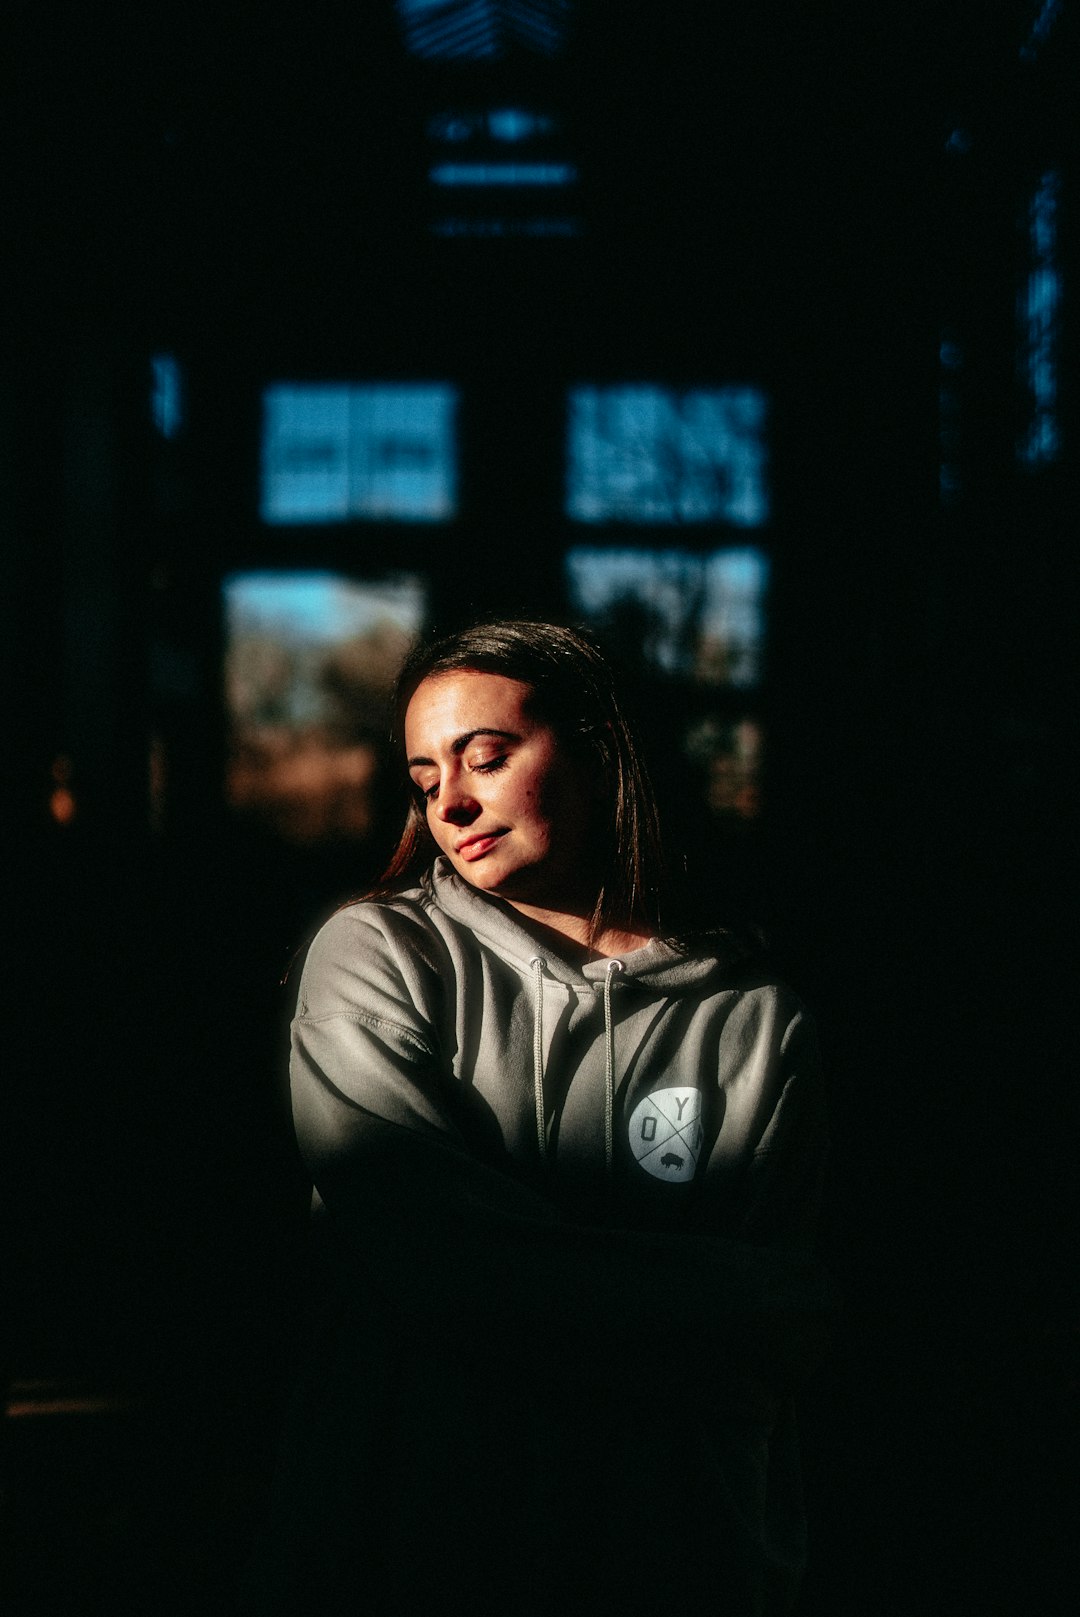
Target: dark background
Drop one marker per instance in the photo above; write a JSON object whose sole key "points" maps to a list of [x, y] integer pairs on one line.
{"points": [[803, 197]]}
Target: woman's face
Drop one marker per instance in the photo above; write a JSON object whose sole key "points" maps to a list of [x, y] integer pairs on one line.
{"points": [[506, 802]]}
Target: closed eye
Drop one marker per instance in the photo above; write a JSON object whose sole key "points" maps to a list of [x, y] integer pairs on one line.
{"points": [[485, 766]]}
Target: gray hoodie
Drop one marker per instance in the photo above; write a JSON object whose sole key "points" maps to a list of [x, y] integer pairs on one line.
{"points": [[557, 1196]]}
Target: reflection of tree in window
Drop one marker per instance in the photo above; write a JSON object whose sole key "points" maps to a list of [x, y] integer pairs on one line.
{"points": [[729, 754], [403, 455], [688, 614], [646, 454], [1039, 317], [310, 662]]}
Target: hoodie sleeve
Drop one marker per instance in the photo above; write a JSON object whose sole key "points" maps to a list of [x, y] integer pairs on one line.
{"points": [[781, 1196], [764, 1177], [455, 1245]]}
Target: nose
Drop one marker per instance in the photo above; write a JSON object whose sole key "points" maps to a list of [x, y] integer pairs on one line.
{"points": [[454, 805]]}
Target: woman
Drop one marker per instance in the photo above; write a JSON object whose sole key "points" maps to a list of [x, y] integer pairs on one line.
{"points": [[563, 1170]]}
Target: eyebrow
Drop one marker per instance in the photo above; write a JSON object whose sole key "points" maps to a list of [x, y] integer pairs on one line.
{"points": [[458, 746]]}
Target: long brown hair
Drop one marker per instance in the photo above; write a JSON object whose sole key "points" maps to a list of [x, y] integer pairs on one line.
{"points": [[572, 688]]}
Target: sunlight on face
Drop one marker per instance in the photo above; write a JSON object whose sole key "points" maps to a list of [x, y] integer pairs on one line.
{"points": [[506, 801]]}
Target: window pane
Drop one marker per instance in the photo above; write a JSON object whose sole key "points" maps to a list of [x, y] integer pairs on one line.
{"points": [[332, 452], [166, 394], [699, 616], [652, 454], [729, 753], [1039, 315], [310, 662], [483, 30]]}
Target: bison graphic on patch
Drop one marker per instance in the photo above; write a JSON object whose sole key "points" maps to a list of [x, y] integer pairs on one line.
{"points": [[665, 1133]]}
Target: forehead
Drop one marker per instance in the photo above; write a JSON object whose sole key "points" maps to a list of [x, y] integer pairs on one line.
{"points": [[445, 706]]}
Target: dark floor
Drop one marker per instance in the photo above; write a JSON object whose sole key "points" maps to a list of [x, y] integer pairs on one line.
{"points": [[158, 1218], [944, 1483]]}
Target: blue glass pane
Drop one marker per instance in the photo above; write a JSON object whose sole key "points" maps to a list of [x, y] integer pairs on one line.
{"points": [[492, 229], [166, 394], [505, 174], [1046, 16], [649, 454], [332, 452], [483, 30], [1039, 318], [508, 125]]}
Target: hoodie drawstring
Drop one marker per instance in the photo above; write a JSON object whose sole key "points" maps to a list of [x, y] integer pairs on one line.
{"points": [[538, 1055], [613, 968]]}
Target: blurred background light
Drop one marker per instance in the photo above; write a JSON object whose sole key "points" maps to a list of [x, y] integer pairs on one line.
{"points": [[700, 616], [646, 453], [166, 394], [310, 662], [334, 451], [483, 30]]}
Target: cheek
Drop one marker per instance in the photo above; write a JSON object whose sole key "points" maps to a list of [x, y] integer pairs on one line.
{"points": [[564, 808]]}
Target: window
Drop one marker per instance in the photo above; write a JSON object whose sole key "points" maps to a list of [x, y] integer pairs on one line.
{"points": [[333, 452], [1039, 320], [503, 170], [728, 752], [483, 30], [310, 662], [701, 617], [166, 395], [1047, 14], [512, 175], [501, 126], [648, 454], [697, 619], [951, 365]]}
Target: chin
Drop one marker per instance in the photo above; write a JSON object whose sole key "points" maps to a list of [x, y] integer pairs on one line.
{"points": [[483, 875], [494, 879]]}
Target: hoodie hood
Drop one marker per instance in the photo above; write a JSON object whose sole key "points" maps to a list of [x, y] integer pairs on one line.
{"points": [[660, 966], [621, 1085]]}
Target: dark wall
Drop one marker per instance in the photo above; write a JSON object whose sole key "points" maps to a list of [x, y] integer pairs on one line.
{"points": [[767, 196]]}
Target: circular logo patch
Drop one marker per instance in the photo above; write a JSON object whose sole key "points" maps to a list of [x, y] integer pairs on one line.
{"points": [[666, 1133]]}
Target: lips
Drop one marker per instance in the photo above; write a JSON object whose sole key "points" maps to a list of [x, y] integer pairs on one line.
{"points": [[476, 847]]}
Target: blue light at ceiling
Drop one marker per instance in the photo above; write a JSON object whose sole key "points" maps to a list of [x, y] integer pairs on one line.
{"points": [[504, 174], [483, 30]]}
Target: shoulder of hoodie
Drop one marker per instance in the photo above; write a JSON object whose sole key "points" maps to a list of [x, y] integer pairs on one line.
{"points": [[748, 966], [371, 945], [764, 1010], [396, 945]]}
